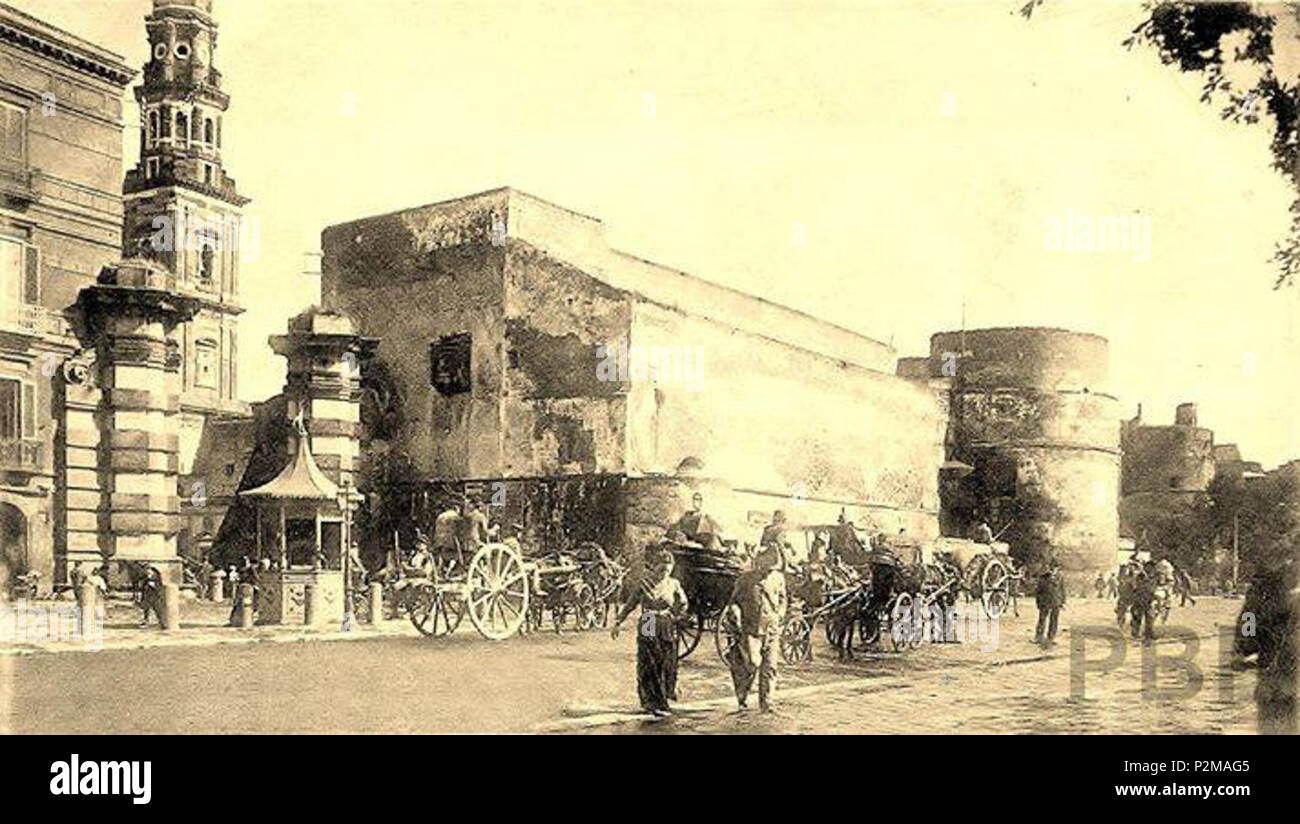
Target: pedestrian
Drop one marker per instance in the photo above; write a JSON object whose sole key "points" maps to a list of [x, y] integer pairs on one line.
{"points": [[663, 604], [1050, 596], [757, 612], [1112, 586], [1145, 581], [77, 577], [1183, 586], [1100, 586], [151, 596]]}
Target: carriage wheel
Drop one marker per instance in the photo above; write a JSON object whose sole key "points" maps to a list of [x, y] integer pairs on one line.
{"points": [[432, 612], [995, 588], [689, 631], [796, 639], [899, 622], [497, 591]]}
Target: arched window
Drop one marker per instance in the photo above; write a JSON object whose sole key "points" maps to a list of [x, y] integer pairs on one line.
{"points": [[182, 128], [153, 125], [209, 131], [195, 128]]}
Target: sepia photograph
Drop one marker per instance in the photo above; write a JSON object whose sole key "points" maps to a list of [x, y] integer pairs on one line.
{"points": [[573, 367]]}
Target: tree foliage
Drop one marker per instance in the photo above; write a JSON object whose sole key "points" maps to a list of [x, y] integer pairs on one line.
{"points": [[1209, 39]]}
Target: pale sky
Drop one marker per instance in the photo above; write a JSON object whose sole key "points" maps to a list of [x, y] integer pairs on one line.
{"points": [[771, 114]]}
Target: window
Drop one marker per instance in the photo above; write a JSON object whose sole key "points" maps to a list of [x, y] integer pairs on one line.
{"points": [[207, 173], [160, 51], [449, 364], [182, 51], [205, 364], [151, 168], [154, 126], [195, 128], [17, 409], [13, 136], [20, 275], [182, 128], [209, 131]]}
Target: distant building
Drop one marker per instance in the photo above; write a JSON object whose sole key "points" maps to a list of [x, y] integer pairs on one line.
{"points": [[1167, 471]]}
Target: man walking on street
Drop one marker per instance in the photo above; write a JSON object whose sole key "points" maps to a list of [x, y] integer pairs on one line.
{"points": [[1050, 596], [757, 612]]}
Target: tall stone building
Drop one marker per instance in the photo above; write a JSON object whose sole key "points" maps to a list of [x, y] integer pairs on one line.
{"points": [[60, 224], [184, 212], [1032, 417], [589, 391]]}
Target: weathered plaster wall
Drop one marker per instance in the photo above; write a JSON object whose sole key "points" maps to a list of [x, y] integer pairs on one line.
{"points": [[783, 423], [560, 415], [408, 279], [1168, 458]]}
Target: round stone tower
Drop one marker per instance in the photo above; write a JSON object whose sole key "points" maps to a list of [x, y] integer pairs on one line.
{"points": [[1031, 412]]}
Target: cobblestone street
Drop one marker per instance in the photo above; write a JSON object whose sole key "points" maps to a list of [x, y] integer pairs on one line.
{"points": [[212, 679]]}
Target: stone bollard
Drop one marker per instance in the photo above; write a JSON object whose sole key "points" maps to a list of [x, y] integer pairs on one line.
{"points": [[242, 614], [376, 603], [170, 606], [313, 608], [87, 598], [218, 586]]}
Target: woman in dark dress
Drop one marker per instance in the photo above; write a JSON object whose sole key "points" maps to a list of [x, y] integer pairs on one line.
{"points": [[662, 602]]}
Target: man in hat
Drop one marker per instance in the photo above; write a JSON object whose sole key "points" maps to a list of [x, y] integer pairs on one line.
{"points": [[756, 613], [1050, 596], [697, 527]]}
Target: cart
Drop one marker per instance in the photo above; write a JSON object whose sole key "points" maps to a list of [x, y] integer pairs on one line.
{"points": [[708, 578], [492, 589]]}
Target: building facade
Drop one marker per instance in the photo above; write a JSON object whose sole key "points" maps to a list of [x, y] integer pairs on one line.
{"points": [[60, 224], [519, 355]]}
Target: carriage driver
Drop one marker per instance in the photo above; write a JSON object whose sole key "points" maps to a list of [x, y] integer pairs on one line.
{"points": [[697, 527]]}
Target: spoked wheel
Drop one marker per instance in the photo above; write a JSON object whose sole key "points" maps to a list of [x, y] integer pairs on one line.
{"points": [[497, 591], [432, 612], [726, 638], [796, 639], [689, 630], [995, 588], [899, 623]]}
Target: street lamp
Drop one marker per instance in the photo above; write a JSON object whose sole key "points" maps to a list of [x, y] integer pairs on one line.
{"points": [[345, 505]]}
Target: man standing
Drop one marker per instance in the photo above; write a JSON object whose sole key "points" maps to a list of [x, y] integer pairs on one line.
{"points": [[1050, 596], [1144, 589], [757, 612], [982, 533], [151, 597]]}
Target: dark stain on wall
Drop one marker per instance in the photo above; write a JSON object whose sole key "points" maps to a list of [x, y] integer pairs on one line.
{"points": [[575, 444], [555, 366]]}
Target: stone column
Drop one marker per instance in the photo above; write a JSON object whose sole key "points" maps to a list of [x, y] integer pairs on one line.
{"points": [[131, 314], [323, 382]]}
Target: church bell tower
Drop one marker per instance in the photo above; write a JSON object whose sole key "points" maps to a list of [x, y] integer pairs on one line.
{"points": [[183, 210]]}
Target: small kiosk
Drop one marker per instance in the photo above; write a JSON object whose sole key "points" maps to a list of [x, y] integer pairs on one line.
{"points": [[302, 525]]}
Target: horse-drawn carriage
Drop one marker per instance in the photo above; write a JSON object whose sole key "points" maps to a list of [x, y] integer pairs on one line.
{"points": [[708, 578], [505, 591]]}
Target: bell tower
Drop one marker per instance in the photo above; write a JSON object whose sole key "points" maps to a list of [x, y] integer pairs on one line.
{"points": [[183, 210]]}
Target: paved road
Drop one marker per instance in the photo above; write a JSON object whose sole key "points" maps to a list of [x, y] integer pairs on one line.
{"points": [[584, 682]]}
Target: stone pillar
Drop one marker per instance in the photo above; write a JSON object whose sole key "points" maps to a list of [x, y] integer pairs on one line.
{"points": [[131, 314], [323, 382], [376, 603], [218, 586], [313, 605], [171, 606]]}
